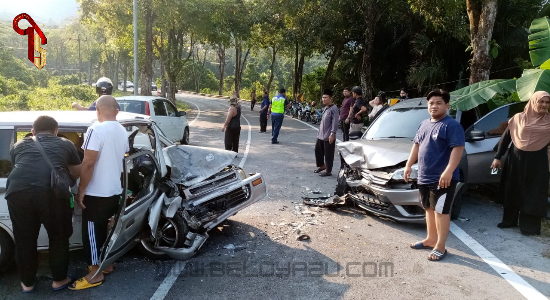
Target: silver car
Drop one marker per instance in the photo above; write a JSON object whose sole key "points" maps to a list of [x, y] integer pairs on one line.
{"points": [[173, 194], [372, 169]]}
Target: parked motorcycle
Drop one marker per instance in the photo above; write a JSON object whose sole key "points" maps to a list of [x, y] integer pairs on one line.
{"points": [[306, 115], [316, 117]]}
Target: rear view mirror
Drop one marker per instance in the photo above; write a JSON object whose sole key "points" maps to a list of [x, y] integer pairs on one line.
{"points": [[182, 113], [355, 135], [475, 135]]}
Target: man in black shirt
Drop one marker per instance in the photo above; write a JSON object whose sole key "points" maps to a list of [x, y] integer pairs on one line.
{"points": [[355, 114], [31, 202]]}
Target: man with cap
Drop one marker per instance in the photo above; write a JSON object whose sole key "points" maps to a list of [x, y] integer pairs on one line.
{"points": [[103, 86], [277, 111], [355, 114], [326, 136]]}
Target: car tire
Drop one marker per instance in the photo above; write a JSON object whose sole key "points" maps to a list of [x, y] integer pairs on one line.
{"points": [[457, 204], [6, 249], [185, 139], [172, 228]]}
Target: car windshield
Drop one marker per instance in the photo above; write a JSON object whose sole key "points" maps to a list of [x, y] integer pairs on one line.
{"points": [[6, 141], [397, 123], [132, 106]]}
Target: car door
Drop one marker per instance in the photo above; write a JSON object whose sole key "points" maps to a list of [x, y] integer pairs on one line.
{"points": [[177, 123], [134, 206], [481, 153], [161, 118]]}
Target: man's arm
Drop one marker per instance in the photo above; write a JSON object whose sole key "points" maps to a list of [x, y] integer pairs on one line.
{"points": [[454, 160], [86, 172], [334, 127], [75, 170], [230, 114], [269, 109], [413, 157]]}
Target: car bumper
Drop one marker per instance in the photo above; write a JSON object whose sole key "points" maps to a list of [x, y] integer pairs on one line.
{"points": [[402, 205]]}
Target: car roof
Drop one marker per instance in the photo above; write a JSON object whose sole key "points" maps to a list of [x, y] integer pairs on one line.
{"points": [[139, 98], [422, 103], [66, 118]]}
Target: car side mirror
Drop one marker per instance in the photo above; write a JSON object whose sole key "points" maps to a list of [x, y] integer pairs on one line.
{"points": [[182, 113], [475, 135], [355, 135]]}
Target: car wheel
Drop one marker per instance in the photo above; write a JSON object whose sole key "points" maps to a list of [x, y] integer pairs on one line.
{"points": [[185, 139], [171, 232], [457, 204], [6, 249]]}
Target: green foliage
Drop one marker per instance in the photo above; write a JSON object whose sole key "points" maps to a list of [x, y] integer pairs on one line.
{"points": [[539, 41], [502, 99], [11, 67], [311, 85], [66, 80], [531, 81], [481, 92]]}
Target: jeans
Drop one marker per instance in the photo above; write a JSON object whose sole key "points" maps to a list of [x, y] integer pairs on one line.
{"points": [[345, 129], [276, 123]]}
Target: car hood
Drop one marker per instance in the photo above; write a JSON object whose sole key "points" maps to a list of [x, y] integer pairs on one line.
{"points": [[191, 165], [375, 154]]}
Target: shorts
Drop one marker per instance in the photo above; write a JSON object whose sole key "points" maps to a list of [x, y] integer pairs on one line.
{"points": [[441, 200]]}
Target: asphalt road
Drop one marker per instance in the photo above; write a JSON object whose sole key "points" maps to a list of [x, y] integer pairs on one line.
{"points": [[256, 255]]}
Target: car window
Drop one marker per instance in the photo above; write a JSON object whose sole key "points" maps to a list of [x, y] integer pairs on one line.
{"points": [[399, 122], [160, 109], [132, 106], [6, 142], [170, 109], [495, 123]]}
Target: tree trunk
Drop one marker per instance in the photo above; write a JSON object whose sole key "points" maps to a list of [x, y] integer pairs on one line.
{"points": [[239, 65], [147, 73], [299, 74], [271, 71], [162, 80], [125, 75], [366, 67], [294, 85], [221, 66], [115, 77], [330, 67], [482, 15]]}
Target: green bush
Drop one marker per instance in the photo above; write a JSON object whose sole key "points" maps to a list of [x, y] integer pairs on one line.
{"points": [[57, 97], [66, 80]]}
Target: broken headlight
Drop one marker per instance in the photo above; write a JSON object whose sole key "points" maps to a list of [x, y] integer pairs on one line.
{"points": [[398, 175], [242, 173]]}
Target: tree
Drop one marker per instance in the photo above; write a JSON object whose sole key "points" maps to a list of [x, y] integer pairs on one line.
{"points": [[482, 15]]}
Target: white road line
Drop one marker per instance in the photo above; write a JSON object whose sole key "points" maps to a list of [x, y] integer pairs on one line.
{"points": [[171, 278], [527, 290], [337, 140]]}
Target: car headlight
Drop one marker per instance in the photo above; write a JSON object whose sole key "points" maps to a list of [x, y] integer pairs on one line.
{"points": [[242, 173], [398, 175]]}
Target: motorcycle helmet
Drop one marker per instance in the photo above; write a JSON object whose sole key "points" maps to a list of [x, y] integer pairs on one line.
{"points": [[312, 103], [104, 86]]}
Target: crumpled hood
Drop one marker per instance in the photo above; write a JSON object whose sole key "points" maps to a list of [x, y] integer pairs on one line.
{"points": [[374, 154], [191, 165]]}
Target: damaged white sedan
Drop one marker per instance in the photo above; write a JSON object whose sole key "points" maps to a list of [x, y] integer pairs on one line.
{"points": [[173, 194]]}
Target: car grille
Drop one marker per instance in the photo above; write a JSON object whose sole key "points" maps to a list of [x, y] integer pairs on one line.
{"points": [[212, 183], [211, 209], [376, 177], [367, 198]]}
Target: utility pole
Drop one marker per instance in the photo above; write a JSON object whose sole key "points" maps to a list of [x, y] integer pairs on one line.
{"points": [[79, 63], [135, 50]]}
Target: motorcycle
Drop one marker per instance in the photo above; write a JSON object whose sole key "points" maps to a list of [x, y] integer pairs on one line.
{"points": [[297, 111], [316, 117], [306, 115]]}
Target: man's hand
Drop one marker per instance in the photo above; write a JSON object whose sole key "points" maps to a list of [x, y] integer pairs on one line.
{"points": [[75, 105], [268, 116], [331, 138], [496, 164], [407, 174], [445, 180], [80, 200], [358, 117], [347, 121], [223, 128]]}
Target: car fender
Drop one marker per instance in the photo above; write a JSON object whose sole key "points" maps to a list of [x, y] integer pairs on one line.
{"points": [[8, 230]]}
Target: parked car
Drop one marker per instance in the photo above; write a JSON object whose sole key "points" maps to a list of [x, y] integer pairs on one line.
{"points": [[164, 113], [153, 86], [129, 84], [173, 194], [372, 167]]}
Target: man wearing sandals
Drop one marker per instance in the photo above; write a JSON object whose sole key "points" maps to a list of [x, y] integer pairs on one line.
{"points": [[438, 147], [326, 137], [100, 187]]}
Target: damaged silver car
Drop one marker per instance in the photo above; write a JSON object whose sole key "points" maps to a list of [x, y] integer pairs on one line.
{"points": [[173, 194], [372, 167]]}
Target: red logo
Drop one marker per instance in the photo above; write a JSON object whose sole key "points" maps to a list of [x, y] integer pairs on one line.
{"points": [[35, 40]]}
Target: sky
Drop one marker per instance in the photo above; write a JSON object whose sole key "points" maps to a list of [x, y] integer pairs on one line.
{"points": [[42, 11]]}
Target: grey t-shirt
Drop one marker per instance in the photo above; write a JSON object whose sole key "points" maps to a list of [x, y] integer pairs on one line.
{"points": [[29, 166]]}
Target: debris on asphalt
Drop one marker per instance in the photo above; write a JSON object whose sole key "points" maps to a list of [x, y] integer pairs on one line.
{"points": [[323, 200], [303, 237], [462, 219], [229, 247]]}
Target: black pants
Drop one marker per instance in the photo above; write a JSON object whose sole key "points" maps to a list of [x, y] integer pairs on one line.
{"points": [[528, 224], [263, 123], [345, 129], [232, 136], [324, 154], [252, 103], [29, 209], [95, 218]]}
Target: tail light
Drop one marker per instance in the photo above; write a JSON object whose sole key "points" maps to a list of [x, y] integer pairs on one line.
{"points": [[147, 109]]}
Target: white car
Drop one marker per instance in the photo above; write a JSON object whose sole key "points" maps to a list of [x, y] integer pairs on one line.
{"points": [[173, 195], [164, 113]]}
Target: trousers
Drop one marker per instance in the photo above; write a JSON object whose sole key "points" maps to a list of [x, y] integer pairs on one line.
{"points": [[95, 225], [345, 129], [324, 154], [276, 124], [263, 123], [232, 136], [29, 209]]}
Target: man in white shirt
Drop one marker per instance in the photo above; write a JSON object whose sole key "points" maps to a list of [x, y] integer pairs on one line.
{"points": [[100, 188]]}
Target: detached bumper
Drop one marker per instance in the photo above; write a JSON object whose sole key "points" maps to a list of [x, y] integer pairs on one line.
{"points": [[402, 205]]}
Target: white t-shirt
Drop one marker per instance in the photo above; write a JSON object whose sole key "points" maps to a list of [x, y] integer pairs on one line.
{"points": [[375, 110], [110, 139]]}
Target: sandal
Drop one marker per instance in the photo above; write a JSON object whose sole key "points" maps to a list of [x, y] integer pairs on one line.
{"points": [[438, 255], [419, 245], [319, 170], [66, 285], [102, 271], [83, 284]]}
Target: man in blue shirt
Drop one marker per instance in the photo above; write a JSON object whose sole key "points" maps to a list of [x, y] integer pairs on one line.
{"points": [[277, 111], [263, 112], [438, 147]]}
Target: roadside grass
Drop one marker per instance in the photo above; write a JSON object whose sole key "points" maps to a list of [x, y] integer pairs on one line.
{"points": [[545, 231], [180, 105]]}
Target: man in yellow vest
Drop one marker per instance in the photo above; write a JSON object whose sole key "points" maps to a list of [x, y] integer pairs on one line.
{"points": [[277, 111]]}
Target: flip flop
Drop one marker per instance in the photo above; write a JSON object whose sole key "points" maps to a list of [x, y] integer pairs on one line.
{"points": [[103, 271], [83, 284], [66, 285], [319, 170], [29, 291], [325, 174], [419, 245], [439, 256]]}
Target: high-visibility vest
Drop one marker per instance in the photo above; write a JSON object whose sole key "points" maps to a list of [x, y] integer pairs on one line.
{"points": [[278, 104]]}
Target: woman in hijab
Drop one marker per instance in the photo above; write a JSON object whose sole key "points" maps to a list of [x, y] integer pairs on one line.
{"points": [[232, 126], [524, 182]]}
